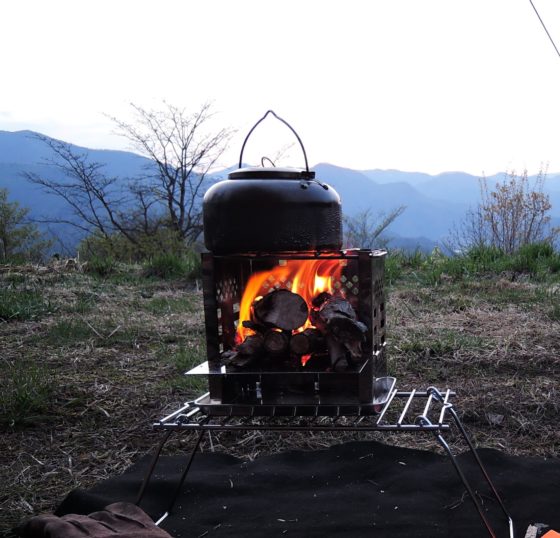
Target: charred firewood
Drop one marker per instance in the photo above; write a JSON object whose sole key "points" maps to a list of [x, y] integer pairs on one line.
{"points": [[349, 332], [337, 352], [282, 309], [245, 353], [306, 342], [337, 319], [252, 345], [318, 301], [249, 324], [233, 358], [276, 342], [336, 306]]}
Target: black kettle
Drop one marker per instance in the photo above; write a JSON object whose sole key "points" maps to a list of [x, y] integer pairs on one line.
{"points": [[269, 209]]}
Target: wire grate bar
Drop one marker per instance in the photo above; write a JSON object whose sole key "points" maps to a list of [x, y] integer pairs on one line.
{"points": [[427, 406], [210, 426], [396, 414], [387, 405], [445, 405], [406, 407], [176, 413]]}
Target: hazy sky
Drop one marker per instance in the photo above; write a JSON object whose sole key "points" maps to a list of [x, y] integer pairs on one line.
{"points": [[417, 85]]}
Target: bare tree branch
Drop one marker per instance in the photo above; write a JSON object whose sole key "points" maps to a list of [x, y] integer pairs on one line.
{"points": [[513, 214], [367, 231], [181, 152]]}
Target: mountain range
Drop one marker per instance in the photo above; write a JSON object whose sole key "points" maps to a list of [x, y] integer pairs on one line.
{"points": [[434, 203]]}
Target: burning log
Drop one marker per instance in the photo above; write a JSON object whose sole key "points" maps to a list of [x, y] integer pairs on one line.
{"points": [[336, 336], [281, 309], [337, 351], [350, 333], [252, 345], [245, 353], [306, 342], [233, 358], [276, 342], [248, 324], [327, 307], [335, 317]]}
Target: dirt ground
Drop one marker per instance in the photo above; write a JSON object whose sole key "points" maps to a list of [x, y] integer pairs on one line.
{"points": [[108, 355]]}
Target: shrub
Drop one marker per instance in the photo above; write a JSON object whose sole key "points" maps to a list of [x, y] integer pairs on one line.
{"points": [[20, 240], [537, 250], [169, 265], [512, 213], [121, 249], [484, 255], [101, 266], [393, 267]]}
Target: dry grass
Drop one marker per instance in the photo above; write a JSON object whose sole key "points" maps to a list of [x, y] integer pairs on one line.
{"points": [[111, 353]]}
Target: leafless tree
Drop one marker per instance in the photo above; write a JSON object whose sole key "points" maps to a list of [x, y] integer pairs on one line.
{"points": [[514, 213], [180, 150], [183, 153], [366, 230]]}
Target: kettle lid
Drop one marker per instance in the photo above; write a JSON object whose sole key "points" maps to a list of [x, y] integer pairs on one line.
{"points": [[257, 172]]}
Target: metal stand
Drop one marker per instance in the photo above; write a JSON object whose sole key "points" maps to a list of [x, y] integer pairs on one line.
{"points": [[403, 411]]}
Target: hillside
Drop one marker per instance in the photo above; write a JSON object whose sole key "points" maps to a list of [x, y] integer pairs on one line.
{"points": [[22, 152], [433, 203], [424, 216]]}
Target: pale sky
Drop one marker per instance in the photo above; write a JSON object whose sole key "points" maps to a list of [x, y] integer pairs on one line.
{"points": [[415, 85]]}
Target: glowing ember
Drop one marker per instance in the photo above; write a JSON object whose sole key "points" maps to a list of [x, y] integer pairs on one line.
{"points": [[307, 278]]}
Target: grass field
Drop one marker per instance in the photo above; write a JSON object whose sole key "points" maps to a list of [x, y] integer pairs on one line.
{"points": [[88, 362]]}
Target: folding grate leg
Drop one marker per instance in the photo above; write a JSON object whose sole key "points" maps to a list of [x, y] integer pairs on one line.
{"points": [[177, 491], [436, 394], [152, 467]]}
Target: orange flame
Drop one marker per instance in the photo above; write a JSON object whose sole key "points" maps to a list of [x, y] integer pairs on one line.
{"points": [[307, 278]]}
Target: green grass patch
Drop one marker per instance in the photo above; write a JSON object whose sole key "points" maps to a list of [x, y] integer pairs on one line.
{"points": [[67, 332], [23, 305], [439, 344], [554, 312], [169, 266], [74, 332], [170, 305], [101, 266], [24, 392], [14, 278], [538, 262], [127, 337], [84, 303], [183, 358], [130, 276]]}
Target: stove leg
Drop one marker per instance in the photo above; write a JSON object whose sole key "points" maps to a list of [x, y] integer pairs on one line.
{"points": [[182, 479], [449, 407], [153, 464]]}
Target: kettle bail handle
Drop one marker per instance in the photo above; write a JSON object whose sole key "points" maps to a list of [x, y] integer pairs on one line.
{"points": [[287, 125]]}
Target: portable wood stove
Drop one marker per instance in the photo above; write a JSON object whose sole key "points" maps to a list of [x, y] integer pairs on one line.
{"points": [[282, 380], [263, 221]]}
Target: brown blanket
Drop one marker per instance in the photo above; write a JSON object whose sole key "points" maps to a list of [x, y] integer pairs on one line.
{"points": [[122, 520]]}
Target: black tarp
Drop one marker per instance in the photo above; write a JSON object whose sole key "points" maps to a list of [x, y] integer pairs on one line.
{"points": [[358, 489]]}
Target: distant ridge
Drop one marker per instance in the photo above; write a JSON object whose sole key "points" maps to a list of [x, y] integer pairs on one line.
{"points": [[434, 203]]}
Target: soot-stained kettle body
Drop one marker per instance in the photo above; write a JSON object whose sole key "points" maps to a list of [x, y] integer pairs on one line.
{"points": [[269, 209]]}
